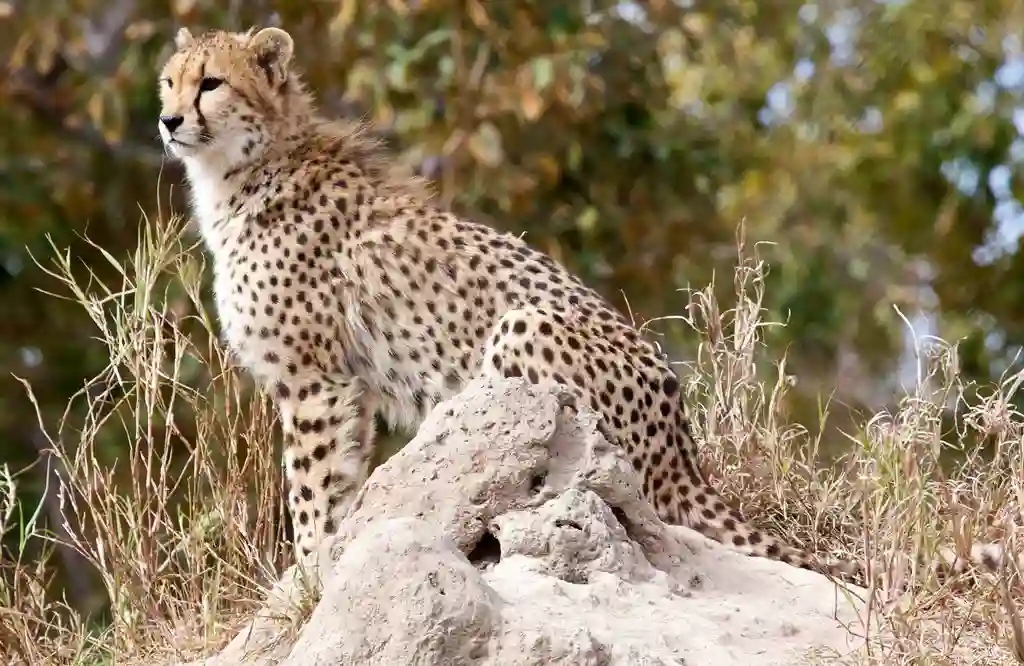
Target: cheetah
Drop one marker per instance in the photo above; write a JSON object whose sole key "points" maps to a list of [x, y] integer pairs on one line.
{"points": [[347, 292]]}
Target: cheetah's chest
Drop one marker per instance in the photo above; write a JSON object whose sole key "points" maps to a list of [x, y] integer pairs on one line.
{"points": [[277, 308]]}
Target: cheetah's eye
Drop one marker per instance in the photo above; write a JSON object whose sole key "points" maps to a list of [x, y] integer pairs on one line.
{"points": [[168, 82], [210, 83]]}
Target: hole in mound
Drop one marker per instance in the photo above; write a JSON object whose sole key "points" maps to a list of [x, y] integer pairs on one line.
{"points": [[620, 516], [487, 551], [537, 482], [577, 577]]}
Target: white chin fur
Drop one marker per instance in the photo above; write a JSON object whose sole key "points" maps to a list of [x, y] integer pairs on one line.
{"points": [[175, 148], [180, 150]]}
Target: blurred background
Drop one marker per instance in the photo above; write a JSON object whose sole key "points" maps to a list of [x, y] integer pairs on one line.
{"points": [[874, 142]]}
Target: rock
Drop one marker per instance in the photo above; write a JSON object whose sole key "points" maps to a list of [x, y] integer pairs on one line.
{"points": [[509, 532]]}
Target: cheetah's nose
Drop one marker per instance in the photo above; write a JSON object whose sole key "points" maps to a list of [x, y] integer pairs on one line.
{"points": [[172, 122]]}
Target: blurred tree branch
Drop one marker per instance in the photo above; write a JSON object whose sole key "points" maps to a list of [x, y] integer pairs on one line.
{"points": [[41, 96]]}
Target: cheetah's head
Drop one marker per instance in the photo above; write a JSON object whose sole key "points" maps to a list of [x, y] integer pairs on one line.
{"points": [[223, 94]]}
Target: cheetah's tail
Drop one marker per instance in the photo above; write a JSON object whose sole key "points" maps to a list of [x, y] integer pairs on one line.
{"points": [[741, 537], [987, 557]]}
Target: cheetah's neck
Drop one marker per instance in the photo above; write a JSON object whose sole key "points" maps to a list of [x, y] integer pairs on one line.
{"points": [[224, 192], [212, 195]]}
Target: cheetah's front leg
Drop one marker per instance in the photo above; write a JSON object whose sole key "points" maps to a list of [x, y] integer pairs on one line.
{"points": [[329, 434]]}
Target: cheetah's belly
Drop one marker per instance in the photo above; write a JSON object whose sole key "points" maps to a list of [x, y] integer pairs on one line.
{"points": [[406, 361]]}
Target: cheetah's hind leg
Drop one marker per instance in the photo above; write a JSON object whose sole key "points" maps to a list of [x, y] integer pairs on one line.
{"points": [[535, 344], [638, 400]]}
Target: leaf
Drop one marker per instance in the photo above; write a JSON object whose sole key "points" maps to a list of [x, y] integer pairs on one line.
{"points": [[587, 220], [477, 13], [531, 104], [574, 157], [181, 8], [485, 145], [549, 168], [395, 73], [907, 101], [432, 39], [347, 10], [543, 70]]}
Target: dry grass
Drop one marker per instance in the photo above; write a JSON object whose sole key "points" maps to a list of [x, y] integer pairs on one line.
{"points": [[183, 528], [183, 525], [888, 500]]}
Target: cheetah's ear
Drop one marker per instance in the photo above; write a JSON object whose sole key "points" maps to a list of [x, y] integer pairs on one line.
{"points": [[184, 39], [273, 48]]}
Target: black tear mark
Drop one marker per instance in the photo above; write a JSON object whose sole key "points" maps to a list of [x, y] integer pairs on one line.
{"points": [[200, 119], [486, 552]]}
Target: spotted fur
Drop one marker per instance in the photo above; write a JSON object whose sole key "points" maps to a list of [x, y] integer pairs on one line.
{"points": [[347, 291]]}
